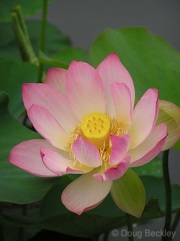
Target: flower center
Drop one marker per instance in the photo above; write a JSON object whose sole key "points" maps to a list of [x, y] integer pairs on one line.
{"points": [[96, 127]]}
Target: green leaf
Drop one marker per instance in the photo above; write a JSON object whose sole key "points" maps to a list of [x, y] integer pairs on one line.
{"points": [[29, 8], [55, 40], [17, 186], [70, 54], [12, 75], [128, 193], [63, 58], [153, 168], [177, 145], [155, 190], [53, 197], [98, 220], [151, 61]]}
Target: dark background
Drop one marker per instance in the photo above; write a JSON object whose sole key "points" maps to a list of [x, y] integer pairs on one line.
{"points": [[84, 20]]}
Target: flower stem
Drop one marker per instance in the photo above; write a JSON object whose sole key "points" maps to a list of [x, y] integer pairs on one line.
{"points": [[167, 185], [22, 37], [176, 221], [42, 40], [130, 227]]}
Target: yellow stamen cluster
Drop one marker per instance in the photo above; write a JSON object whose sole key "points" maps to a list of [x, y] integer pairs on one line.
{"points": [[96, 128]]}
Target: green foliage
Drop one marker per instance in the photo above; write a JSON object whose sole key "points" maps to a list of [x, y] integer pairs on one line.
{"points": [[153, 168], [29, 8], [55, 217], [17, 186], [12, 75], [55, 40], [63, 58], [151, 61], [128, 193]]}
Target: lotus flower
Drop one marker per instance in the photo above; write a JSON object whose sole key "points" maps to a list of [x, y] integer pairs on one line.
{"points": [[90, 127]]}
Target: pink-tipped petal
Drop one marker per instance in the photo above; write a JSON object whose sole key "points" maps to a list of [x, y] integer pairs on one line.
{"points": [[144, 117], [57, 104], [56, 78], [85, 193], [47, 126], [114, 173], [150, 147], [84, 89], [111, 70], [169, 114], [26, 155], [86, 153], [122, 100], [55, 161], [120, 146]]}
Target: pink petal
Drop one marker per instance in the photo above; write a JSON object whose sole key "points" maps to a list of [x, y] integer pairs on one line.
{"points": [[84, 193], [122, 101], [150, 147], [26, 155], [120, 146], [86, 153], [47, 126], [57, 104], [114, 173], [55, 161], [56, 78], [111, 70], [144, 117], [84, 89]]}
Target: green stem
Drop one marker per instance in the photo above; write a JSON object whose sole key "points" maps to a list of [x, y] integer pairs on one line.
{"points": [[22, 37], [176, 221], [22, 229], [42, 41], [167, 185], [130, 227]]}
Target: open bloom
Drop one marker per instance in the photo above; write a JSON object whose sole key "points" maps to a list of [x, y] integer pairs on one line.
{"points": [[90, 127]]}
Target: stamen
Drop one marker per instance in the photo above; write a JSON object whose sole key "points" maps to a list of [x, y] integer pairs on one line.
{"points": [[95, 128]]}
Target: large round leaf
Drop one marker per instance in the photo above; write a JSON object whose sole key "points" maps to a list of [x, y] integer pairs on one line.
{"points": [[151, 61], [12, 75], [98, 220], [17, 186], [63, 58]]}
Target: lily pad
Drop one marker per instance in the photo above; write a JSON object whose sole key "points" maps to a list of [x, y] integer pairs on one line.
{"points": [[17, 186], [151, 61]]}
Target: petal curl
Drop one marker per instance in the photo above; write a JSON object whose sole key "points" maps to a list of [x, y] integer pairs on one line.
{"points": [[56, 78], [55, 161], [144, 117], [86, 153], [85, 193], [150, 147], [26, 155], [84, 89], [57, 104], [114, 173], [112, 70], [47, 126]]}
